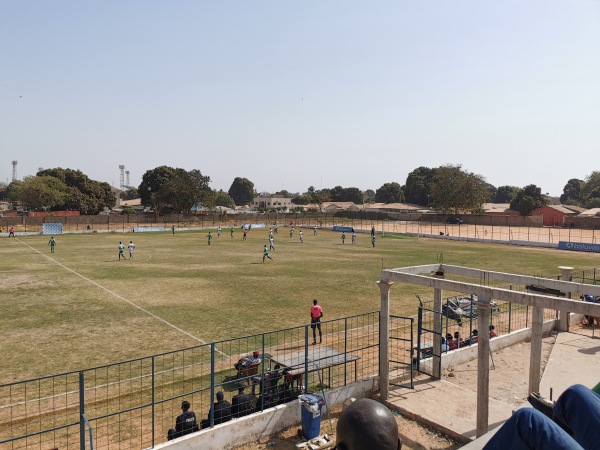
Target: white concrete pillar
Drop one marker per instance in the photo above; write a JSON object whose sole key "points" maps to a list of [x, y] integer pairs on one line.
{"points": [[384, 339], [535, 359], [483, 366], [563, 318]]}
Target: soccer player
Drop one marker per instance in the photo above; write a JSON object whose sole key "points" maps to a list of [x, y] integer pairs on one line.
{"points": [[245, 233], [52, 243], [291, 231], [301, 234], [315, 231], [219, 232], [271, 243], [343, 237], [231, 232], [373, 240], [353, 238], [11, 232], [266, 254], [131, 246], [209, 237], [121, 251], [275, 228]]}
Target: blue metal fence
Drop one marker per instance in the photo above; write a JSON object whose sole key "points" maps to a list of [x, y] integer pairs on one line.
{"points": [[133, 403]]}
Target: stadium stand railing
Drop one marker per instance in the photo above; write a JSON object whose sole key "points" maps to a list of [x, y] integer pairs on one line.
{"points": [[133, 403]]}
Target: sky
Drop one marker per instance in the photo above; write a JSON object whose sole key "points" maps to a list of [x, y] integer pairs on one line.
{"points": [[292, 94]]}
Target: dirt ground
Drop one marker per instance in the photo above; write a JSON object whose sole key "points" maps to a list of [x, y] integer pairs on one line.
{"points": [[414, 436], [507, 384]]}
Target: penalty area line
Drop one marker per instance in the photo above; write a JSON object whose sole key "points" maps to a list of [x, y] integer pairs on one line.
{"points": [[120, 297]]}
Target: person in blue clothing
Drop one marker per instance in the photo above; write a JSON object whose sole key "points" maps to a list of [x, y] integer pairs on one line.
{"points": [[572, 423]]}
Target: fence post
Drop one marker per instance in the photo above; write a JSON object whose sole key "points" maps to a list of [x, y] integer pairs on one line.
{"points": [[509, 316], [81, 411], [306, 359], [153, 410], [263, 382], [345, 348], [211, 414]]}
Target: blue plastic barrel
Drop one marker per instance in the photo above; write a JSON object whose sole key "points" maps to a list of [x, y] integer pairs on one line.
{"points": [[311, 405]]}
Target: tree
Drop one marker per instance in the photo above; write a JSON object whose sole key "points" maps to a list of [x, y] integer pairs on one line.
{"points": [[504, 194], [84, 195], [369, 196], [354, 195], [418, 186], [39, 192], [455, 190], [129, 194], [389, 193], [187, 189], [242, 191], [320, 197], [590, 190], [3, 191], [223, 199], [528, 199], [174, 188], [303, 199], [572, 191], [153, 188]]}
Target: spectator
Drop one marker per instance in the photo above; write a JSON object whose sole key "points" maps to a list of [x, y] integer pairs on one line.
{"points": [[572, 423], [493, 334], [474, 337], [458, 342], [451, 344], [222, 411], [185, 423], [366, 425], [242, 404]]}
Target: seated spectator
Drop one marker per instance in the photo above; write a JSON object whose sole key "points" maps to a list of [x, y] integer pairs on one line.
{"points": [[367, 425], [458, 342], [444, 345], [572, 423], [268, 399], [242, 404], [590, 320], [248, 361], [289, 391], [185, 423], [222, 411], [474, 337], [493, 334], [451, 344]]}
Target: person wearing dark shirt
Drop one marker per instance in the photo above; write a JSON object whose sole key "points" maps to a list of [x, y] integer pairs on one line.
{"points": [[185, 423], [222, 411], [242, 404]]}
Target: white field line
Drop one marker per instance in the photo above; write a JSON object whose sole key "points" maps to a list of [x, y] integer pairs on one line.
{"points": [[120, 297]]}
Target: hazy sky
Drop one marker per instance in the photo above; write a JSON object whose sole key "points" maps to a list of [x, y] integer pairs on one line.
{"points": [[291, 94]]}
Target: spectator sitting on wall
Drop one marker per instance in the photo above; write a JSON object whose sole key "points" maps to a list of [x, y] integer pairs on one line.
{"points": [[451, 344], [222, 411], [492, 332], [185, 423], [242, 404]]}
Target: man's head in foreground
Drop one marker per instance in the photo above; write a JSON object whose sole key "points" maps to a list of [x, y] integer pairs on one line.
{"points": [[367, 425]]}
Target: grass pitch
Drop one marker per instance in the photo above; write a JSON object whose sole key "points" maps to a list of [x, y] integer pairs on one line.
{"points": [[80, 307]]}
